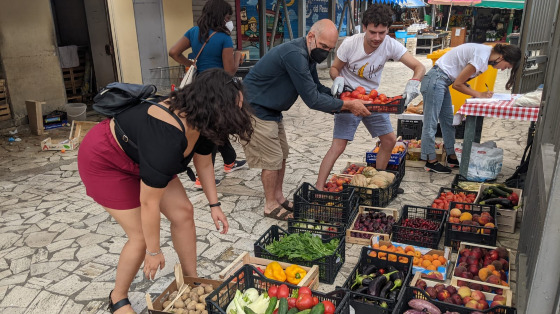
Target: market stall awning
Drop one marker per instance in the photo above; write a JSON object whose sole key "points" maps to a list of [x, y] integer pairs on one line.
{"points": [[502, 4], [412, 4], [455, 2]]}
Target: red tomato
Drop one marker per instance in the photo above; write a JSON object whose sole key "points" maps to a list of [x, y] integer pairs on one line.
{"points": [[345, 94], [291, 302], [304, 302], [273, 291], [275, 311], [377, 102], [304, 290], [397, 97], [329, 307], [315, 301], [366, 98], [283, 292], [346, 98], [382, 97], [356, 94], [373, 93], [361, 90]]}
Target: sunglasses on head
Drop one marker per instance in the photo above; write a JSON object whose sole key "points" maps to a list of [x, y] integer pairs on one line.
{"points": [[236, 82]]}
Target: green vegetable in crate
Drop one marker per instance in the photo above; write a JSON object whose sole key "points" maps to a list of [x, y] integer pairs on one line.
{"points": [[359, 180], [369, 172], [318, 309], [303, 246], [249, 299]]}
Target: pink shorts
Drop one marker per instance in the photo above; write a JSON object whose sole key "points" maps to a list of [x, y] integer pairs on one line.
{"points": [[111, 178]]}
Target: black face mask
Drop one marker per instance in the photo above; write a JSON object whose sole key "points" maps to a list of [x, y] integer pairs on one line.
{"points": [[319, 55]]}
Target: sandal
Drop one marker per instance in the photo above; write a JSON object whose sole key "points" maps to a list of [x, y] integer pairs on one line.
{"points": [[286, 206], [114, 307], [275, 214]]}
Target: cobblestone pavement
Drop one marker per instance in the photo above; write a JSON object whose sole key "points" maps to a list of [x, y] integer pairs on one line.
{"points": [[59, 249]]}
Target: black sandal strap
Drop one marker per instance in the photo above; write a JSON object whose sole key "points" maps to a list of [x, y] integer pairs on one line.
{"points": [[118, 305]]}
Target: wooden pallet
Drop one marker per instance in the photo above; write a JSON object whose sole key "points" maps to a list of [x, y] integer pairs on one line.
{"points": [[74, 78], [5, 113]]}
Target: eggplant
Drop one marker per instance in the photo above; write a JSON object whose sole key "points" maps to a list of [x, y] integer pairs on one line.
{"points": [[504, 202], [363, 290], [393, 294], [368, 269], [385, 290], [375, 285], [366, 281]]}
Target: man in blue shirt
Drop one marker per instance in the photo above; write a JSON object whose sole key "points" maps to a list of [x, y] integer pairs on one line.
{"points": [[273, 85]]}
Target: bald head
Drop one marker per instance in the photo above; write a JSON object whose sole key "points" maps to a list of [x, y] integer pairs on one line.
{"points": [[323, 34]]}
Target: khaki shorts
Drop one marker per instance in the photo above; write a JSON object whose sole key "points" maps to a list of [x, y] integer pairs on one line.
{"points": [[268, 145]]}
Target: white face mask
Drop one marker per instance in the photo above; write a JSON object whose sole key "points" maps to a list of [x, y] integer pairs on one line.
{"points": [[229, 25]]}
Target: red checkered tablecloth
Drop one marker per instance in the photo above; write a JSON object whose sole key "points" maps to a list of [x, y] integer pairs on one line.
{"points": [[501, 109]]}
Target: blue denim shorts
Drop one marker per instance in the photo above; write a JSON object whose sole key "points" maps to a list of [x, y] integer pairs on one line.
{"points": [[346, 124]]}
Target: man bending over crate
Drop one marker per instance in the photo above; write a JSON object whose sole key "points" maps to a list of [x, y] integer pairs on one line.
{"points": [[359, 61]]}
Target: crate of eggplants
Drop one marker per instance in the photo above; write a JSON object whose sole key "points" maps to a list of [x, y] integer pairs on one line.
{"points": [[376, 284]]}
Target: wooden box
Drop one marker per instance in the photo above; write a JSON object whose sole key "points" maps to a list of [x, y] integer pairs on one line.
{"points": [[505, 218], [489, 296], [77, 133], [454, 278], [5, 113], [180, 283], [310, 280], [367, 241]]}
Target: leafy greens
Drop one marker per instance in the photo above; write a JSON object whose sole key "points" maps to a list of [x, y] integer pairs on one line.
{"points": [[302, 246]]}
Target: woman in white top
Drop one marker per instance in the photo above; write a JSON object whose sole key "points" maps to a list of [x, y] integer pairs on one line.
{"points": [[455, 68]]}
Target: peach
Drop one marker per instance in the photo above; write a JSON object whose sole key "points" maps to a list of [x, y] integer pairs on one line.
{"points": [[464, 292], [497, 303], [500, 298], [484, 273], [455, 212], [477, 295], [472, 304], [493, 279], [482, 305]]}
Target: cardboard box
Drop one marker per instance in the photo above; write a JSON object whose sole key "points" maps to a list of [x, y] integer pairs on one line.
{"points": [[180, 283], [439, 274], [367, 241], [77, 133], [489, 296], [310, 280], [506, 218], [463, 245]]}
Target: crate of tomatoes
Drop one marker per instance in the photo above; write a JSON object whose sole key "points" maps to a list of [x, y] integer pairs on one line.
{"points": [[379, 102], [446, 196]]}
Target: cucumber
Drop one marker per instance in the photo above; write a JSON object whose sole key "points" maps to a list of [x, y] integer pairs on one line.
{"points": [[318, 309], [504, 188], [499, 192], [247, 310], [293, 310], [308, 311], [271, 305], [283, 307]]}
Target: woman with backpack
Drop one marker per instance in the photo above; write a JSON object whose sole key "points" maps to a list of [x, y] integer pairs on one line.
{"points": [[212, 36], [129, 165]]}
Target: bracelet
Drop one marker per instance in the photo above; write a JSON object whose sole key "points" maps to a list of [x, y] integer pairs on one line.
{"points": [[215, 205], [153, 254]]}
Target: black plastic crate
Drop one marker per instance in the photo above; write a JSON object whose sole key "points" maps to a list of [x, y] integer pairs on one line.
{"points": [[455, 233], [328, 265], [412, 293], [380, 197], [244, 68], [364, 303], [455, 184], [325, 230], [327, 207], [396, 106], [420, 237], [400, 168], [409, 129], [454, 191], [249, 277]]}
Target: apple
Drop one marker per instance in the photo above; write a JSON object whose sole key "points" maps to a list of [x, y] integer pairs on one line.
{"points": [[464, 292], [451, 290], [473, 269], [443, 294], [466, 300], [482, 305], [477, 295], [449, 300], [465, 252], [431, 292], [439, 287], [472, 304], [497, 303], [471, 260], [476, 254], [421, 284], [457, 299], [494, 255]]}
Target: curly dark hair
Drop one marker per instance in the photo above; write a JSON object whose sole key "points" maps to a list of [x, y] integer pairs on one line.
{"points": [[212, 18], [210, 104], [512, 55], [378, 14]]}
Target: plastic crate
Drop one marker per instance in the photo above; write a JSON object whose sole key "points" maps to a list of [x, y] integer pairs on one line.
{"points": [[379, 197], [411, 293], [395, 159], [458, 179], [454, 191], [328, 265], [409, 129], [328, 207], [455, 233], [249, 277], [324, 230], [414, 236], [396, 106], [364, 303], [244, 68]]}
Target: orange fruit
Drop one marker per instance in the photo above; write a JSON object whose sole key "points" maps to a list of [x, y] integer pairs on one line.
{"points": [[442, 260], [392, 258], [372, 254], [426, 263], [436, 263], [416, 261], [382, 255], [383, 247], [417, 254], [431, 267], [435, 256], [411, 253], [428, 257], [376, 246], [491, 268], [403, 260], [409, 248]]}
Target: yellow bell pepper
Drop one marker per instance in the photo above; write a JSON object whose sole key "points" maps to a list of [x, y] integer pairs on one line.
{"points": [[295, 274], [275, 271]]}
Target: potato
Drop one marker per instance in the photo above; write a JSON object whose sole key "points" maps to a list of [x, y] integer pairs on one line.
{"points": [[191, 305], [202, 299], [173, 295], [197, 311], [199, 290], [192, 312], [187, 290], [208, 288], [200, 307], [187, 300], [204, 312], [166, 303], [179, 311], [179, 304], [193, 295], [185, 296]]}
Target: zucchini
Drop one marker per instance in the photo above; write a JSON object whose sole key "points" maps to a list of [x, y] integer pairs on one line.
{"points": [[271, 305], [499, 192], [247, 310], [504, 188], [283, 307], [305, 311], [318, 309], [503, 202]]}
